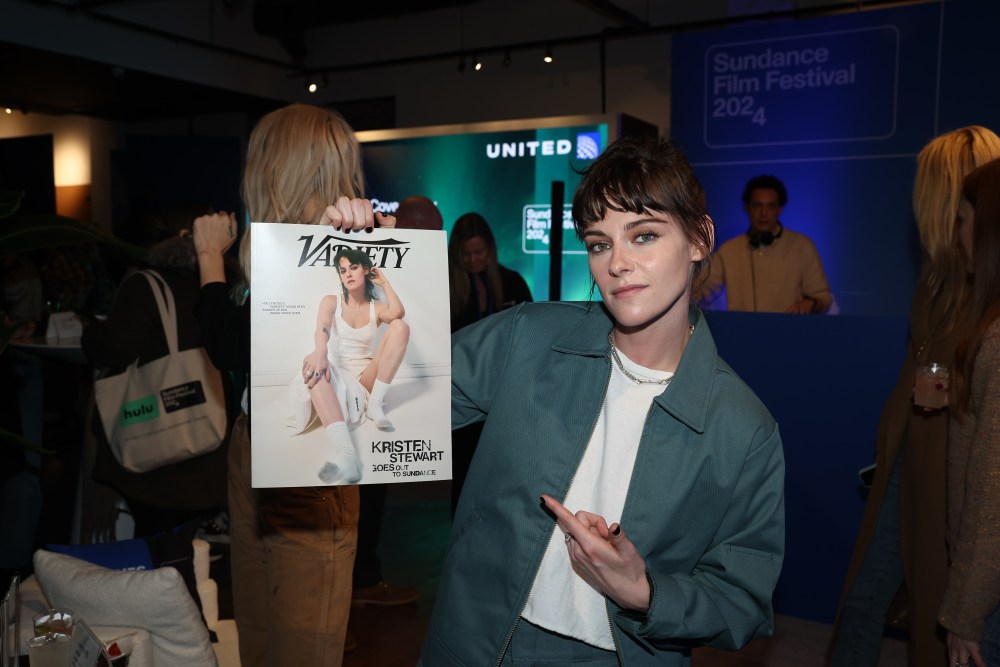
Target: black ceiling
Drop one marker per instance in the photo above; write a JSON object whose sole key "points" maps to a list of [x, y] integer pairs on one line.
{"points": [[288, 20], [39, 81], [277, 17]]}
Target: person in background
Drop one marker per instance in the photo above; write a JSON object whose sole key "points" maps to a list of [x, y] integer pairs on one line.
{"points": [[770, 269], [418, 212], [626, 502], [480, 286], [161, 499], [902, 535], [969, 609], [292, 549], [23, 300], [75, 279]]}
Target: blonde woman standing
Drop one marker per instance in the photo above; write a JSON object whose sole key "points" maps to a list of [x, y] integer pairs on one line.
{"points": [[902, 536], [292, 549]]}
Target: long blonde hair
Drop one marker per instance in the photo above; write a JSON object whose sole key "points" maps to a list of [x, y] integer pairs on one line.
{"points": [[941, 166], [300, 159]]}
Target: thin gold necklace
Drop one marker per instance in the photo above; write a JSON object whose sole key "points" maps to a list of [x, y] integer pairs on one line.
{"points": [[625, 371]]}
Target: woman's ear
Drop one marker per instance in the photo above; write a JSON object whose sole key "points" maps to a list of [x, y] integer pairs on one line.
{"points": [[705, 244]]}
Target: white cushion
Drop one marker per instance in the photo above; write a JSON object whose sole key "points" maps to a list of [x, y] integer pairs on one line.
{"points": [[155, 600]]}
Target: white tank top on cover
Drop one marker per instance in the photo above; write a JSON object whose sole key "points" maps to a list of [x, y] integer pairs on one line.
{"points": [[348, 344]]}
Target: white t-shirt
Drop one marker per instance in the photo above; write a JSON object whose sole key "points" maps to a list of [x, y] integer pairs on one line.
{"points": [[560, 600]]}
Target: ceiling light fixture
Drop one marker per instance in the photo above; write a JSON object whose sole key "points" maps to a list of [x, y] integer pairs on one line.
{"points": [[477, 63], [548, 54], [8, 110], [311, 86]]}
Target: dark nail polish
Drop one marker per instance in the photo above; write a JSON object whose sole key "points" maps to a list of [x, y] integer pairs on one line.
{"points": [[617, 531]]}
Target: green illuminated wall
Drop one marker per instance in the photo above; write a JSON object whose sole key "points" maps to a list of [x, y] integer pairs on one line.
{"points": [[504, 176]]}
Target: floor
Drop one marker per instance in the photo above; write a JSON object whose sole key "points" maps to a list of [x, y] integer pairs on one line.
{"points": [[414, 536]]}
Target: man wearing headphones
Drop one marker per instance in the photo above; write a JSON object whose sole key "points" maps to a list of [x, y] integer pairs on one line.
{"points": [[770, 268]]}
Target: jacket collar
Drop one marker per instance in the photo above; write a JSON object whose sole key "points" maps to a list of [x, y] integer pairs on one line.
{"points": [[687, 399]]}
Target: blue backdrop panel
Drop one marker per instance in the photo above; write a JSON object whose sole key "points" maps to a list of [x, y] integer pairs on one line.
{"points": [[787, 90], [856, 210], [825, 380], [837, 107]]}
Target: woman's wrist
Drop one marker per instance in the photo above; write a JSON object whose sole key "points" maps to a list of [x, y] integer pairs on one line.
{"points": [[211, 267]]}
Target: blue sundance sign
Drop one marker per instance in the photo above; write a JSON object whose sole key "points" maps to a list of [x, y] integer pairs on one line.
{"points": [[770, 92]]}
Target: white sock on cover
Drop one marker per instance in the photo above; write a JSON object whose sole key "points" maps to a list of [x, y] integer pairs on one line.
{"points": [[344, 466], [374, 409]]}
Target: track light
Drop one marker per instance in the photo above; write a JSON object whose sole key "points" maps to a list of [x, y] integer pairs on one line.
{"points": [[477, 64], [8, 110], [506, 58], [548, 54], [311, 86]]}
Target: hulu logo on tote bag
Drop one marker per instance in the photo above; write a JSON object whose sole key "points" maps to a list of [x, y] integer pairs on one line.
{"points": [[138, 411]]}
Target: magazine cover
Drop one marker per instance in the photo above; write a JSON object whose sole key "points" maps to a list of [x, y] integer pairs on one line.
{"points": [[350, 356]]}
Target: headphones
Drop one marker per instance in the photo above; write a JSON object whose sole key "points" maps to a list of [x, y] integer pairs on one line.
{"points": [[758, 239]]}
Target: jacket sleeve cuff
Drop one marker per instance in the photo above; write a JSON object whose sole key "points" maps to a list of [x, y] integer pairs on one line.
{"points": [[636, 623]]}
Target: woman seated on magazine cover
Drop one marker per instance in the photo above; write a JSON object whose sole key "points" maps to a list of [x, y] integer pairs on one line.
{"points": [[345, 332]]}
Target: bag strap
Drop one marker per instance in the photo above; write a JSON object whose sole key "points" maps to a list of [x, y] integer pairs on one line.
{"points": [[165, 302]]}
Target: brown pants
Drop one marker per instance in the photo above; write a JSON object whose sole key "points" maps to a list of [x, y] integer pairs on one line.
{"points": [[292, 552]]}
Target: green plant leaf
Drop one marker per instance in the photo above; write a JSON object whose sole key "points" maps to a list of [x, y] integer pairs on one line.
{"points": [[10, 202], [31, 231], [11, 438]]}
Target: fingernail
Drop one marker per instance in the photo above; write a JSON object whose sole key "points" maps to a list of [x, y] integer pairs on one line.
{"points": [[617, 531]]}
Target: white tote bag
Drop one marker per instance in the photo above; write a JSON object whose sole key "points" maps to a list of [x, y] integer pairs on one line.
{"points": [[168, 410]]}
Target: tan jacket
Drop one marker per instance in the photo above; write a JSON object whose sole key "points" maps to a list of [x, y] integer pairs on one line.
{"points": [[770, 278]]}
